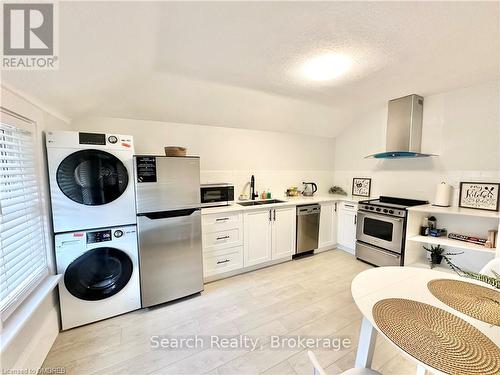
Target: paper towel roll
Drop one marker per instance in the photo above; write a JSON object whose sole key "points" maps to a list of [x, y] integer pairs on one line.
{"points": [[443, 195]]}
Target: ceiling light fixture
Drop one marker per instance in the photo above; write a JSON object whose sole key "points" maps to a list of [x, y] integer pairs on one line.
{"points": [[326, 67]]}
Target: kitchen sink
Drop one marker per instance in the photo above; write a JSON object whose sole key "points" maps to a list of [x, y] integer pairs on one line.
{"points": [[270, 201], [250, 203], [259, 203]]}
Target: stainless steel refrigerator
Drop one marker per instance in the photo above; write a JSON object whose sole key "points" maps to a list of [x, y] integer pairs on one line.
{"points": [[169, 226]]}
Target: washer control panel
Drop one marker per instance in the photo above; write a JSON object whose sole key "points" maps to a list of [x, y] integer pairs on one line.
{"points": [[99, 236]]}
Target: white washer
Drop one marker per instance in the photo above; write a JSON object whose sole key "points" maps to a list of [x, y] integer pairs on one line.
{"points": [[91, 180], [100, 271]]}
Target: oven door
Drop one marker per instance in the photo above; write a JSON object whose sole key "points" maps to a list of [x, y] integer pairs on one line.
{"points": [[380, 230], [216, 195]]}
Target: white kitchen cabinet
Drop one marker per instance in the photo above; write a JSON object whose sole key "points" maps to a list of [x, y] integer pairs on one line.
{"points": [[269, 235], [347, 227], [328, 225], [257, 237], [284, 232]]}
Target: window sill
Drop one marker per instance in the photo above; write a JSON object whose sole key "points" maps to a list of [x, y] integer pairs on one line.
{"points": [[14, 323]]}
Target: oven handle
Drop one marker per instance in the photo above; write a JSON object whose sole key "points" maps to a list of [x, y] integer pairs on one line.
{"points": [[386, 217]]}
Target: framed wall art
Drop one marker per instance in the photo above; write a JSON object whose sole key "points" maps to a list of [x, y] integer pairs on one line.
{"points": [[361, 186], [479, 195]]}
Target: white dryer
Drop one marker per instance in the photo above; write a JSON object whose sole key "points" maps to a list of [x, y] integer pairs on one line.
{"points": [[91, 180], [100, 274]]}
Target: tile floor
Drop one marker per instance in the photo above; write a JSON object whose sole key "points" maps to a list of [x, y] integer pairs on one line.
{"points": [[306, 297]]}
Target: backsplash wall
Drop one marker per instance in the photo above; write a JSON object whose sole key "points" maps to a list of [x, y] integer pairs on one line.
{"points": [[278, 160], [462, 127]]}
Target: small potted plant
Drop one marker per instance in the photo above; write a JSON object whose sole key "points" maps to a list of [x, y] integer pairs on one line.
{"points": [[437, 254]]}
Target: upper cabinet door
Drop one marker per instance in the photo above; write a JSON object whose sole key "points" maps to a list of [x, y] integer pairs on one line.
{"points": [[328, 225], [257, 237], [284, 232]]}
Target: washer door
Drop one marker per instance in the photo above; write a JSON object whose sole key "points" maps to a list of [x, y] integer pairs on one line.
{"points": [[98, 274], [92, 177]]}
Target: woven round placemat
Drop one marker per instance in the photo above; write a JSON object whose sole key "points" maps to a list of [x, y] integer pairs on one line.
{"points": [[471, 299], [437, 338]]}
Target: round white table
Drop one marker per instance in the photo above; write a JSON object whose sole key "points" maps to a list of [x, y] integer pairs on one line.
{"points": [[377, 284]]}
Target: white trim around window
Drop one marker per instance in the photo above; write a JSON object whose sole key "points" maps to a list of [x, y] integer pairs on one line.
{"points": [[23, 251]]}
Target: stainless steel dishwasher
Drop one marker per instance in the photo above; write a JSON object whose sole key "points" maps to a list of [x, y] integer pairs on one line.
{"points": [[307, 228]]}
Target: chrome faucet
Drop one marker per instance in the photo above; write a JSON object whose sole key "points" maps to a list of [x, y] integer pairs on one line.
{"points": [[253, 195]]}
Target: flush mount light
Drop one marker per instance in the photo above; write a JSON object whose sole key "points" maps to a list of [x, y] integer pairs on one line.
{"points": [[326, 67]]}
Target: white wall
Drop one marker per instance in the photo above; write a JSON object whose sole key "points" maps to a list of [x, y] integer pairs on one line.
{"points": [[461, 126], [277, 160], [31, 345]]}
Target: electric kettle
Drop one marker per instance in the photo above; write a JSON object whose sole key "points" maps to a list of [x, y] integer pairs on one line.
{"points": [[309, 189]]}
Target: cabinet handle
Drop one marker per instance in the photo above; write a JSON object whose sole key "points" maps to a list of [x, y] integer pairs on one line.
{"points": [[355, 219], [270, 213], [349, 205], [223, 261], [222, 238], [222, 219], [335, 206], [274, 215]]}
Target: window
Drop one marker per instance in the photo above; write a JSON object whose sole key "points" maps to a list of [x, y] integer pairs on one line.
{"points": [[23, 260]]}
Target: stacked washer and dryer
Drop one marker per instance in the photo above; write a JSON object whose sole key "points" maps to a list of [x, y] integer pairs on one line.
{"points": [[94, 218]]}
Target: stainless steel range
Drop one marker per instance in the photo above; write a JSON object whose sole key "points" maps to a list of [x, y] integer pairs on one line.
{"points": [[381, 228]]}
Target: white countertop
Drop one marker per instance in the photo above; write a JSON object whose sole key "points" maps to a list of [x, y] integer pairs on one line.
{"points": [[288, 201]]}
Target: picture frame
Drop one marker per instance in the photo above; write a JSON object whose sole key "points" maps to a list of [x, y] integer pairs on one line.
{"points": [[361, 187], [479, 195]]}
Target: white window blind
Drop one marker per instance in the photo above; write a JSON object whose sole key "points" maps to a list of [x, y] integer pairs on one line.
{"points": [[23, 262]]}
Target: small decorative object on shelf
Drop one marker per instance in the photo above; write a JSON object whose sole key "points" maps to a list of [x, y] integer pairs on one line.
{"points": [[432, 223], [436, 253], [465, 238], [492, 238], [361, 186], [437, 232], [479, 195], [491, 280], [337, 190], [424, 229]]}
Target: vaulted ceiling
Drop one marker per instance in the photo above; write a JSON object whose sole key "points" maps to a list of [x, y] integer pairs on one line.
{"points": [[237, 64]]}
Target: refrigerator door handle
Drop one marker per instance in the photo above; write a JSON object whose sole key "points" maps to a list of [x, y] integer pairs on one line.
{"points": [[169, 214]]}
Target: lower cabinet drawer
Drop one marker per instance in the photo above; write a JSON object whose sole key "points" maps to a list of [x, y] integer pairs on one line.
{"points": [[223, 261], [222, 239]]}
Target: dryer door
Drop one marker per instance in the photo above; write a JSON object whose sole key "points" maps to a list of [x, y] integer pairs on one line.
{"points": [[92, 177], [98, 274]]}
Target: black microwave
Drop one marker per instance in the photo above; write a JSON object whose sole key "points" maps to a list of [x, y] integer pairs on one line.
{"points": [[221, 194]]}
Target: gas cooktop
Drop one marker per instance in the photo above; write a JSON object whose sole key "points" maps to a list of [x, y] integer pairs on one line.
{"points": [[389, 205]]}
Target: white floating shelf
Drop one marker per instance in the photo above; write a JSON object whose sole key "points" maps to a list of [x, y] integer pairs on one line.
{"points": [[445, 241], [455, 211]]}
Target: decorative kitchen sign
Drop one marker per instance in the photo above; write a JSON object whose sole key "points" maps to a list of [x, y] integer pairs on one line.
{"points": [[361, 186], [479, 195]]}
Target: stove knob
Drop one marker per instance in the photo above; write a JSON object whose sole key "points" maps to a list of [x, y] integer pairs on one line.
{"points": [[391, 211], [378, 208], [385, 210], [371, 208], [367, 207]]}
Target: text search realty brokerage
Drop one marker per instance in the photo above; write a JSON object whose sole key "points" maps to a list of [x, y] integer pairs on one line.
{"points": [[251, 343]]}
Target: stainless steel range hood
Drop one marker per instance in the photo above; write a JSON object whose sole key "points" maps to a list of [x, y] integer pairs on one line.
{"points": [[404, 129]]}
